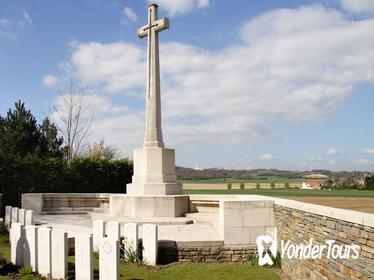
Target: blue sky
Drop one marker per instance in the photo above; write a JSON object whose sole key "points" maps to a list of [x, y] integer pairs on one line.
{"points": [[245, 84]]}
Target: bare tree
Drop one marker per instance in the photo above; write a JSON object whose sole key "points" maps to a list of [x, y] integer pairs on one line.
{"points": [[72, 113], [100, 150]]}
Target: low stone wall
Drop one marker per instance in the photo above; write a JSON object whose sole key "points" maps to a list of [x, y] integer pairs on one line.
{"points": [[55, 202], [203, 252], [299, 226]]}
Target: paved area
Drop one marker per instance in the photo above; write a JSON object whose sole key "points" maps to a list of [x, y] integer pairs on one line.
{"points": [[175, 229]]}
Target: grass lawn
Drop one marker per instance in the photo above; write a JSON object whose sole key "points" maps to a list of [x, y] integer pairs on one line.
{"points": [[178, 271], [290, 192]]}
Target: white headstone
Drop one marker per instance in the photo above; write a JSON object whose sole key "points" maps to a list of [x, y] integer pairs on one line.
{"points": [[30, 253], [22, 216], [150, 236], [98, 233], [15, 214], [114, 230], [131, 236], [109, 259], [16, 246], [29, 217], [8, 215], [83, 256], [44, 251], [59, 254]]}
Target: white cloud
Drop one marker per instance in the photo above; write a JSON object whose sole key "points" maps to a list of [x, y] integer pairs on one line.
{"points": [[175, 7], [362, 161], [49, 80], [267, 157], [368, 150], [26, 16], [331, 162], [279, 70], [129, 14], [317, 158], [358, 6], [334, 152], [6, 29]]}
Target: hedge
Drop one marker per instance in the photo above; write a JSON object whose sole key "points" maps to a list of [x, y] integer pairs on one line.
{"points": [[83, 175]]}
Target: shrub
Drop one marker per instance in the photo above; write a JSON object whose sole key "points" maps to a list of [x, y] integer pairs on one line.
{"points": [[258, 186], [287, 185], [253, 259], [31, 174], [242, 185], [277, 260], [229, 186], [272, 185], [25, 273], [3, 228]]}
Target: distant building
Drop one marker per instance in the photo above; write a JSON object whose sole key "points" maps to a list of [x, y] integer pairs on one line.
{"points": [[311, 185]]}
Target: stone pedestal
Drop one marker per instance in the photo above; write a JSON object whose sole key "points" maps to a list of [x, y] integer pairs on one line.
{"points": [[154, 173], [148, 206]]}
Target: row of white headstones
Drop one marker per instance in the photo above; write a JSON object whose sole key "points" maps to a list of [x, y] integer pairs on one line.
{"points": [[45, 250]]}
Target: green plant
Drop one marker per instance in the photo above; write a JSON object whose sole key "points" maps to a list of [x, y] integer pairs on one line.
{"points": [[272, 185], [3, 228], [229, 186], [258, 186], [253, 259], [277, 260], [287, 185], [26, 273], [242, 185], [128, 254]]}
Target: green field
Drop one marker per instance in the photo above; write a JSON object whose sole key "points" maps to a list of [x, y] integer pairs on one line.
{"points": [[177, 271], [290, 192], [267, 179]]}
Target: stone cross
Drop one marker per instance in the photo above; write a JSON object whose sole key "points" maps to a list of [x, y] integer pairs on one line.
{"points": [[153, 133]]}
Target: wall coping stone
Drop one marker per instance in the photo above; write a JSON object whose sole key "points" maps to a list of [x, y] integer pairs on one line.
{"points": [[356, 217]]}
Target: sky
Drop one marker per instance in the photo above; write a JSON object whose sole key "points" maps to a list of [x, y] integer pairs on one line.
{"points": [[244, 84]]}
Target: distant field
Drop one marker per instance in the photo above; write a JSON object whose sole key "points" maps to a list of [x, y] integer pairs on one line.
{"points": [[358, 200], [223, 186], [288, 192], [267, 179]]}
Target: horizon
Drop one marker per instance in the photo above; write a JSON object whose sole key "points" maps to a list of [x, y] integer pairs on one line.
{"points": [[285, 86]]}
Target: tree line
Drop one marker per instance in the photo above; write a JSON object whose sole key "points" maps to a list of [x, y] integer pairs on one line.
{"points": [[34, 157]]}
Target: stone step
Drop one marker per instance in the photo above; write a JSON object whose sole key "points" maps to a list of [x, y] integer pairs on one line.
{"points": [[203, 217], [73, 210]]}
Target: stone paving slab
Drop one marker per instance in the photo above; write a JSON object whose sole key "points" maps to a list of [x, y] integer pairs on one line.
{"points": [[74, 224]]}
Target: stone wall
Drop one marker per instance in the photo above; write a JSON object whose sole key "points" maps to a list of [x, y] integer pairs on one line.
{"points": [[203, 252], [299, 226]]}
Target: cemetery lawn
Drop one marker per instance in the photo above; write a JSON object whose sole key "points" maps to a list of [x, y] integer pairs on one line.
{"points": [[177, 271]]}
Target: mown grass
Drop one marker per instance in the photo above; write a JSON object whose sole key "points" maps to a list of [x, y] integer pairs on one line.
{"points": [[177, 271], [290, 192]]}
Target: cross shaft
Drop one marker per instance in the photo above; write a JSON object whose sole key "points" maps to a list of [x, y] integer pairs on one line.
{"points": [[153, 133]]}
